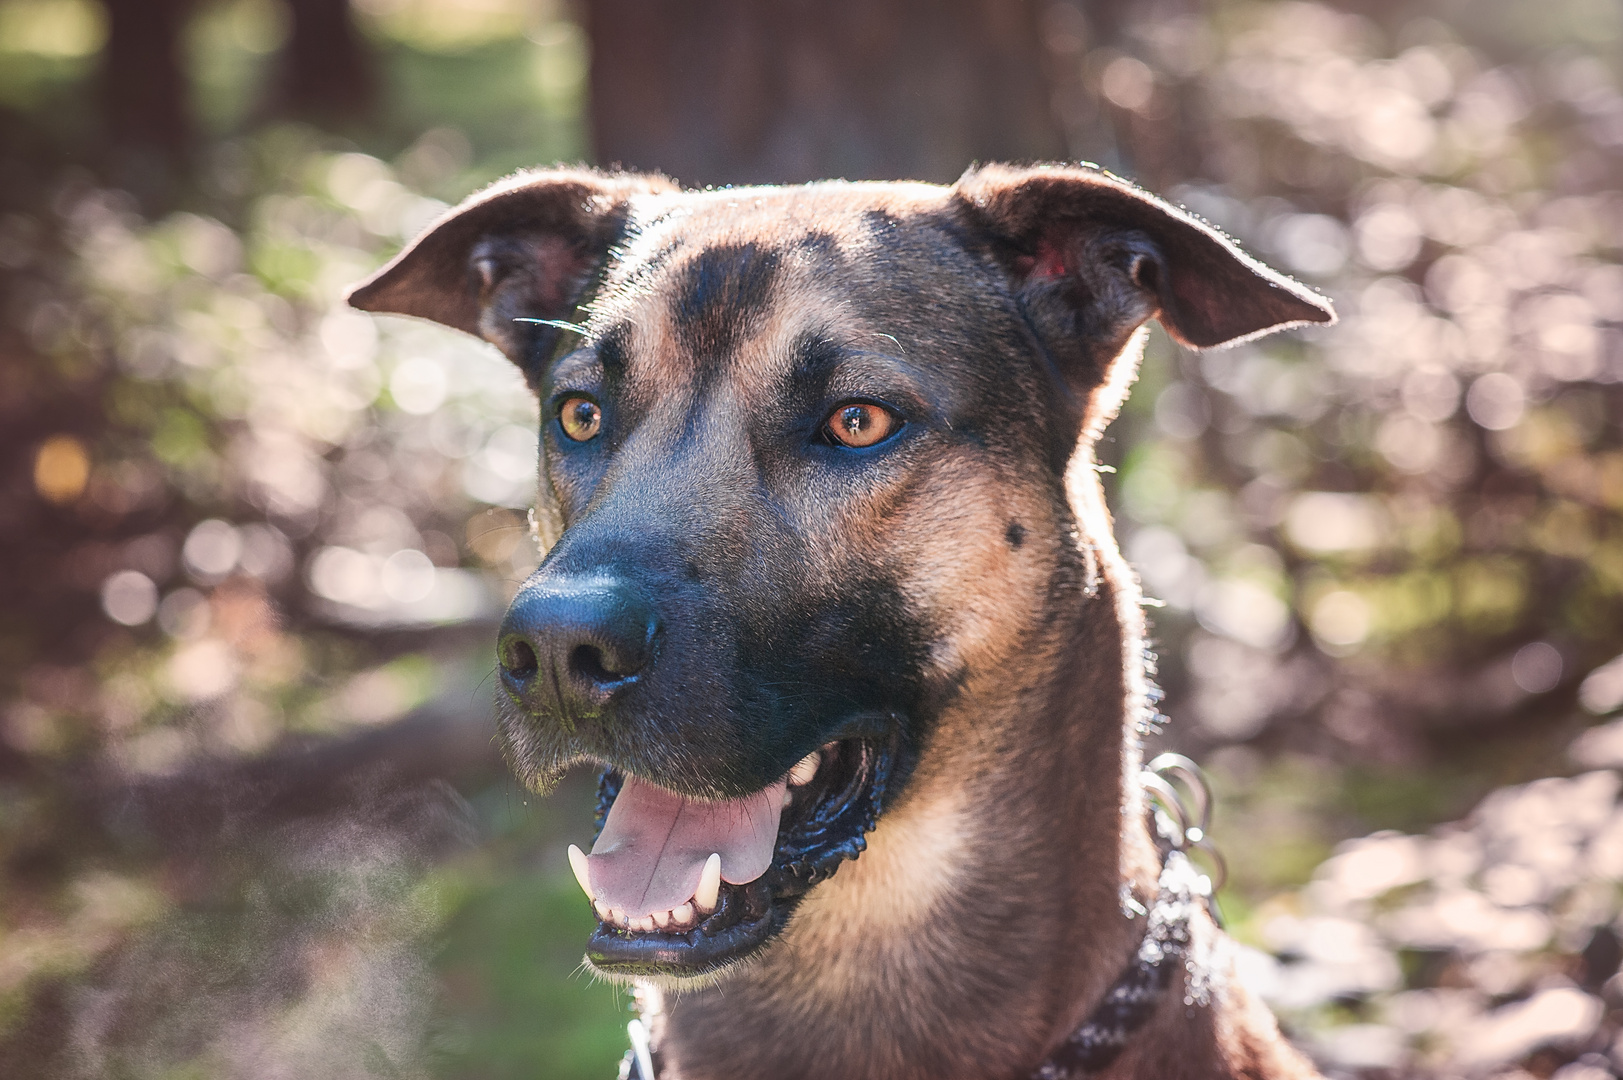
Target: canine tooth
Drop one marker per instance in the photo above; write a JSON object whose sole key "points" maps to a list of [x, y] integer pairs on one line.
{"points": [[805, 769], [709, 890], [682, 914], [644, 923], [662, 919], [602, 909], [617, 917], [577, 863]]}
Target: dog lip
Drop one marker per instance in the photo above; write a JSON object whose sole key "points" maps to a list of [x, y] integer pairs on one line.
{"points": [[746, 920]]}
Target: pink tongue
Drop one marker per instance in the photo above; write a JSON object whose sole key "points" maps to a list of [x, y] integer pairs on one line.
{"points": [[655, 843]]}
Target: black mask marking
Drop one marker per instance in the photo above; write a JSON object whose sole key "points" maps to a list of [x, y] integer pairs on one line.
{"points": [[723, 291]]}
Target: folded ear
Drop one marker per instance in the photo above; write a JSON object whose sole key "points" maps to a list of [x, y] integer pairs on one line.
{"points": [[528, 247], [1091, 257]]}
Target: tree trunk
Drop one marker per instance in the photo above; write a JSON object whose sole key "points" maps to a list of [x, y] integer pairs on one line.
{"points": [[760, 91], [142, 77], [325, 71]]}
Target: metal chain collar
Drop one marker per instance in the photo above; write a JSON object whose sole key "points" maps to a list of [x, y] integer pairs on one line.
{"points": [[1172, 782]]}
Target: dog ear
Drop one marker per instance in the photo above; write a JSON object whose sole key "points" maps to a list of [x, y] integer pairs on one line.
{"points": [[1091, 258], [528, 247]]}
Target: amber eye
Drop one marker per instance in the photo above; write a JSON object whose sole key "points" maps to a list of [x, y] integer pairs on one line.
{"points": [[580, 418], [860, 424]]}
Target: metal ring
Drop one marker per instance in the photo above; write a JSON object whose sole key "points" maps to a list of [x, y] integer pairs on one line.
{"points": [[1168, 806], [1172, 811], [1220, 865], [1180, 768]]}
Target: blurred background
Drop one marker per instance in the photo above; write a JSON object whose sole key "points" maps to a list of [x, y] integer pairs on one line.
{"points": [[252, 823]]}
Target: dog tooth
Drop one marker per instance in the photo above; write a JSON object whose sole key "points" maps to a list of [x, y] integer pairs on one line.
{"points": [[577, 863], [645, 923], [617, 917], [602, 910], [709, 890], [682, 914], [662, 919], [805, 769]]}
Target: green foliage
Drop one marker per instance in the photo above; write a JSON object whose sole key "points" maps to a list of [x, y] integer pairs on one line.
{"points": [[515, 995]]}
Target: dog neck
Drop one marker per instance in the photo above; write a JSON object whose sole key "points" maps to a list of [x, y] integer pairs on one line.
{"points": [[988, 915]]}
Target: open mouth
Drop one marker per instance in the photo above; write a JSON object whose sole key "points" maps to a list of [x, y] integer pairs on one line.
{"points": [[683, 887]]}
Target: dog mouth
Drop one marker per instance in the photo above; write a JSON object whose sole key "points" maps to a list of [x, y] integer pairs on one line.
{"points": [[684, 887]]}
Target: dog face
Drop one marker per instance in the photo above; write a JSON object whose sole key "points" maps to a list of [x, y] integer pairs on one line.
{"points": [[806, 452]]}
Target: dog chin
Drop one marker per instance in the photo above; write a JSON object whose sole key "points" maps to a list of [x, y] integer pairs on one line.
{"points": [[824, 821]]}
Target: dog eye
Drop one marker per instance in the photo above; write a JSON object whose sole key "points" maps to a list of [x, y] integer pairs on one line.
{"points": [[580, 418], [861, 424]]}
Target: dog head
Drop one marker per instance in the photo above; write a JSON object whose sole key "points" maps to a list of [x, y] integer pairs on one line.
{"points": [[804, 451]]}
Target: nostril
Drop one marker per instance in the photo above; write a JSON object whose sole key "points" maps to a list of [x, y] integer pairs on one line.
{"points": [[518, 659], [587, 662]]}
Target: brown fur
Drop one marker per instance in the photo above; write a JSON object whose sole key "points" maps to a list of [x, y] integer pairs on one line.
{"points": [[987, 916]]}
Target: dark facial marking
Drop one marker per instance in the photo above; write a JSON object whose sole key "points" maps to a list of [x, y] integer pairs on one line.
{"points": [[1015, 534], [814, 355], [880, 221], [818, 243], [723, 290], [859, 657], [611, 347]]}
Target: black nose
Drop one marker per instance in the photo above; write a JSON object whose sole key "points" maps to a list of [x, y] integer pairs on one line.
{"points": [[570, 644]]}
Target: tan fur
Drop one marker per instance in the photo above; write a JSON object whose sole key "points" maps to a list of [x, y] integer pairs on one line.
{"points": [[912, 864]]}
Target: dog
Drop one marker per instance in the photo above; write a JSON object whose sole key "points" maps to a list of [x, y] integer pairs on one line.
{"points": [[833, 600]]}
